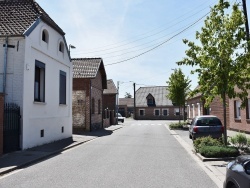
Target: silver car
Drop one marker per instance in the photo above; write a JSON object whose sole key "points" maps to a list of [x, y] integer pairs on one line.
{"points": [[206, 125], [238, 173]]}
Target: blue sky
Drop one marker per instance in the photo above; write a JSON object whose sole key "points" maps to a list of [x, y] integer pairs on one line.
{"points": [[126, 31]]}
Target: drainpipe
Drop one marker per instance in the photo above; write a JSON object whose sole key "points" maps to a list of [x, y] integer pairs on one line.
{"points": [[5, 64]]}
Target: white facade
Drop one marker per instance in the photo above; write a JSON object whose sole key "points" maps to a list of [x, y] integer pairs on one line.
{"points": [[50, 117]]}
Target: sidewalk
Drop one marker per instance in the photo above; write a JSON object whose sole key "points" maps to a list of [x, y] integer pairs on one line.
{"points": [[215, 169], [19, 159]]}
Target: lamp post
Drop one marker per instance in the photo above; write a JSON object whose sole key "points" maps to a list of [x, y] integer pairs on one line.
{"points": [[72, 47]]}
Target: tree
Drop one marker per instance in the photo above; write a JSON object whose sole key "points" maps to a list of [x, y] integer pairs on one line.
{"points": [[178, 87], [221, 58], [128, 95]]}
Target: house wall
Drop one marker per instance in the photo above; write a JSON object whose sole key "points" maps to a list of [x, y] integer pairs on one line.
{"points": [[49, 116], [81, 91], [109, 101], [194, 105], [150, 113], [242, 123], [97, 94], [1, 122]]}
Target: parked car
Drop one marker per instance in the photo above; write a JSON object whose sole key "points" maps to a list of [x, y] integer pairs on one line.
{"points": [[206, 125], [238, 173], [120, 118]]}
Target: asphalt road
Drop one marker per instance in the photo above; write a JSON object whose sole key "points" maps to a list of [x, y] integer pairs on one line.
{"points": [[140, 155]]}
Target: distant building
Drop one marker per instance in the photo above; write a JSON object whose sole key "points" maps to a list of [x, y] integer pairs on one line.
{"points": [[109, 103], [152, 104], [126, 106]]}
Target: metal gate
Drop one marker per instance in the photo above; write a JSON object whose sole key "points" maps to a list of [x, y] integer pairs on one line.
{"points": [[11, 128]]}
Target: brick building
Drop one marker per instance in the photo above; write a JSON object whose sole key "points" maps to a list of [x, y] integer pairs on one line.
{"points": [[89, 81], [126, 106], [109, 104], [152, 104]]}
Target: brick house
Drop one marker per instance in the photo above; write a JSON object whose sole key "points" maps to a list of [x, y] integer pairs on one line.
{"points": [[109, 103], [239, 118], [126, 106], [89, 81], [196, 107], [152, 104], [34, 61]]}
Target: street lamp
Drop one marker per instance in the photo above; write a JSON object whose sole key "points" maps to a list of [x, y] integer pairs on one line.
{"points": [[72, 47]]}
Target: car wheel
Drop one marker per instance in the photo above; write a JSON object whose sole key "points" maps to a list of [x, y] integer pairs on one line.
{"points": [[233, 186], [122, 121], [190, 136]]}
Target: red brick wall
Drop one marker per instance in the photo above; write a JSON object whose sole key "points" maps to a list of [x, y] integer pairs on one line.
{"points": [[97, 94], [109, 101], [149, 113], [242, 124], [81, 84], [1, 122]]}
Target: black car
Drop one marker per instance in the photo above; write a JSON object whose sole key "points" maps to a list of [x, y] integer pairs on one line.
{"points": [[238, 173]]}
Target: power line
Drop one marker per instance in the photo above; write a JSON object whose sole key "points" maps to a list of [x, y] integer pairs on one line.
{"points": [[122, 42], [160, 43]]}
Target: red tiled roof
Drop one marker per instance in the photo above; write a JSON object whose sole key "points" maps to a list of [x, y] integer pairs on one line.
{"points": [[17, 16]]}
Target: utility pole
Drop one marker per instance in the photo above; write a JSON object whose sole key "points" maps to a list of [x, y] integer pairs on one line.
{"points": [[117, 102], [134, 103], [246, 19]]}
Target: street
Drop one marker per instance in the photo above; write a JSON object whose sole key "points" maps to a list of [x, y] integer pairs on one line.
{"points": [[141, 154]]}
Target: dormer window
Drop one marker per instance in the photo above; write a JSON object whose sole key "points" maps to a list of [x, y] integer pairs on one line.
{"points": [[45, 36], [150, 100], [61, 47]]}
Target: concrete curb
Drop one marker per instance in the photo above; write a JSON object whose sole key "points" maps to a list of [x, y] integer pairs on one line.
{"points": [[204, 159]]}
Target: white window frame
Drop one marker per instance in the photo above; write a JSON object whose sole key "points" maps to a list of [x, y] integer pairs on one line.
{"points": [[248, 104], [176, 110], [159, 112], [193, 110], [143, 112], [199, 109], [238, 110], [163, 111]]}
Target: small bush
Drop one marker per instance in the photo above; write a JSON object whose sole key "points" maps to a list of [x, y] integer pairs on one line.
{"points": [[177, 125], [240, 140], [206, 141], [218, 151]]}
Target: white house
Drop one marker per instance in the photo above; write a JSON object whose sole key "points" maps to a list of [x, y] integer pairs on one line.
{"points": [[38, 73]]}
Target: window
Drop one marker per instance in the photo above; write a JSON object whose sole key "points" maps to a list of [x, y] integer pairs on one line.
{"points": [[45, 36], [237, 105], [150, 101], [165, 112], [142, 112], [176, 111], [99, 106], [93, 106], [39, 88], [62, 88], [61, 47], [248, 109], [157, 112]]}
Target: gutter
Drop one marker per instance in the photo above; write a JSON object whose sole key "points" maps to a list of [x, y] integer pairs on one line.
{"points": [[5, 64]]}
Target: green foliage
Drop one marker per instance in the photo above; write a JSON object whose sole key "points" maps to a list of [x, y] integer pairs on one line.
{"points": [[219, 151], [182, 125], [206, 141], [128, 95], [221, 59], [240, 140], [178, 87]]}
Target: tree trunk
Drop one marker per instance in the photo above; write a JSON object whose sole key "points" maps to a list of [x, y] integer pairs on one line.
{"points": [[225, 118], [179, 115]]}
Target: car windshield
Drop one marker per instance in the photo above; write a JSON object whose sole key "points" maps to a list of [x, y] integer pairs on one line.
{"points": [[205, 121]]}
